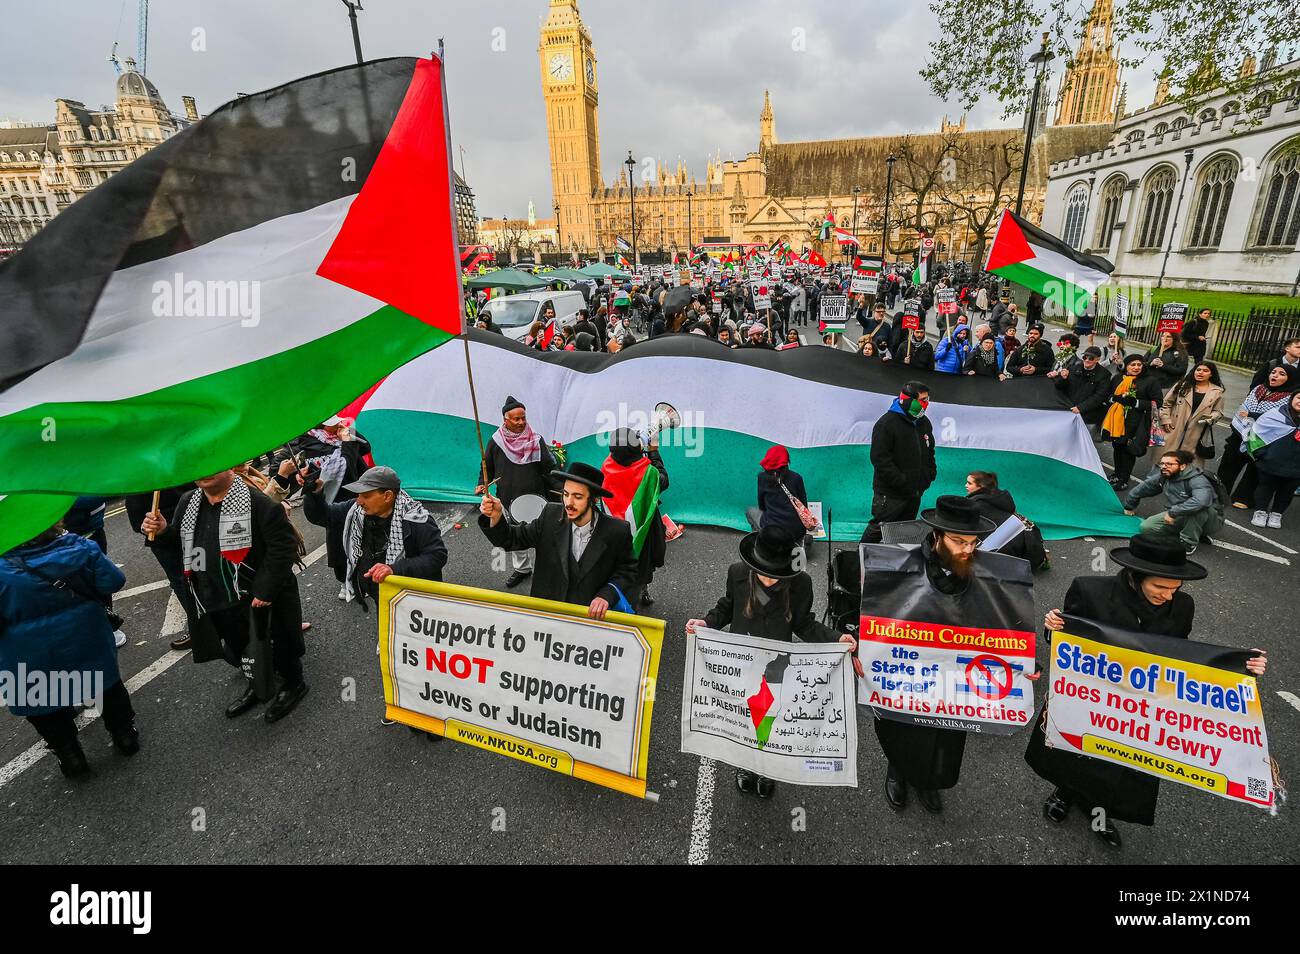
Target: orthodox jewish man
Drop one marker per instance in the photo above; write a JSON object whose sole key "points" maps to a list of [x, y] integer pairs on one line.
{"points": [[584, 555], [520, 462], [929, 758], [1146, 596]]}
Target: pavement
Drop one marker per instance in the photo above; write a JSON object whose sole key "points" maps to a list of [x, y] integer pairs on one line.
{"points": [[329, 783]]}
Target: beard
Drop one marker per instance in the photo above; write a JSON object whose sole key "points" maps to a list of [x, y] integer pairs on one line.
{"points": [[958, 564]]}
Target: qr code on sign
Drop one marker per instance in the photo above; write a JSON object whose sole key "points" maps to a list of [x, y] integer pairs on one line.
{"points": [[1257, 788]]}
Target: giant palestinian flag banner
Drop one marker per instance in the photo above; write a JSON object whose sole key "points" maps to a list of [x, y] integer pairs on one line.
{"points": [[228, 290], [1026, 255], [818, 402]]}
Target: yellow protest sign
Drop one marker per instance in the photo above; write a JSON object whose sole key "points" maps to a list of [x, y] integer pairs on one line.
{"points": [[531, 679]]}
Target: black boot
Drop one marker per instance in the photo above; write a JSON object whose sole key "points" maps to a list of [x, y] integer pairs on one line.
{"points": [[243, 703], [1056, 807], [72, 761], [126, 739], [745, 780], [930, 800], [285, 700], [895, 790], [1109, 836], [764, 787]]}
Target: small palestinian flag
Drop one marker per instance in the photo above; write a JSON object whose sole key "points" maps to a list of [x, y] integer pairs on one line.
{"points": [[622, 262], [301, 239], [1272, 425], [845, 237], [698, 258], [828, 226], [548, 334], [765, 704], [1025, 254], [622, 243], [636, 496]]}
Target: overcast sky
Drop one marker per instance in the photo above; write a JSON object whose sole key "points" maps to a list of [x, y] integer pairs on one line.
{"points": [[676, 77]]}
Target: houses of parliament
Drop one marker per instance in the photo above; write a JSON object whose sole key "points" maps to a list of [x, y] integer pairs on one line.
{"points": [[784, 190]]}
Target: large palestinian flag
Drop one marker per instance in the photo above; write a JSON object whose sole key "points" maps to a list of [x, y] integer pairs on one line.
{"points": [[821, 403], [228, 290], [1025, 254]]}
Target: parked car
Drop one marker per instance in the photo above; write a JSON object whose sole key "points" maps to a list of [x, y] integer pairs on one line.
{"points": [[514, 314]]}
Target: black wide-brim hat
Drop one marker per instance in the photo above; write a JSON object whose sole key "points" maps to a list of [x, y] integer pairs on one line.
{"points": [[953, 514], [1153, 557], [769, 552], [583, 474]]}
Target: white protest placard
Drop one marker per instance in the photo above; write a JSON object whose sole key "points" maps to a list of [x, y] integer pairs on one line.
{"points": [[531, 679], [783, 710], [762, 294], [833, 310]]}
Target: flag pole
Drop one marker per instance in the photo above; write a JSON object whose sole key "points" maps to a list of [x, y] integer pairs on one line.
{"points": [[469, 367], [153, 508]]}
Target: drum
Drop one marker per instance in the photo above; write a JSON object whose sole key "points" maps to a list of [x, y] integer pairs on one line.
{"points": [[527, 507]]}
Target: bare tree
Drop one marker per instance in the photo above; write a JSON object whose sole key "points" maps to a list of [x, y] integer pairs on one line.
{"points": [[984, 185]]}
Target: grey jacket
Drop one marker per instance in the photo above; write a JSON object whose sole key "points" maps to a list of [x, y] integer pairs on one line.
{"points": [[1186, 494]]}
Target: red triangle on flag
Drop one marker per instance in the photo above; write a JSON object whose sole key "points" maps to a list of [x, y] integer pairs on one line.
{"points": [[1009, 244]]}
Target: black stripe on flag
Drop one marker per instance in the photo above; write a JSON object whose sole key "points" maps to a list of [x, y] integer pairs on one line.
{"points": [[830, 366], [259, 157]]}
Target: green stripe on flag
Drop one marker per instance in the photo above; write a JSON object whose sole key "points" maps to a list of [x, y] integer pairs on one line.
{"points": [[1073, 298], [133, 445], [641, 511]]}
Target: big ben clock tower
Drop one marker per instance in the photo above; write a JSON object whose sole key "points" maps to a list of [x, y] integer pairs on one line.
{"points": [[569, 88]]}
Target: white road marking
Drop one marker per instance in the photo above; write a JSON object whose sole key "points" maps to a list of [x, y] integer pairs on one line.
{"points": [[138, 590], [1258, 554], [1260, 536], [173, 622], [1291, 699], [702, 822]]}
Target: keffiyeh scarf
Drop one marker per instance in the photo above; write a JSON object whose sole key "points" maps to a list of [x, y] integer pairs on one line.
{"points": [[522, 448], [405, 508], [234, 528]]}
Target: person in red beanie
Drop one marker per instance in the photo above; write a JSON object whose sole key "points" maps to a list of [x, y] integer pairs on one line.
{"points": [[777, 483]]}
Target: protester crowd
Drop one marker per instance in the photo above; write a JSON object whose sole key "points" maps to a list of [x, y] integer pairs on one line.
{"points": [[229, 550]]}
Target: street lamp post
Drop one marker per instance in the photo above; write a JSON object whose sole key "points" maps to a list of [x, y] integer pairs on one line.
{"points": [[559, 239], [631, 196], [353, 6], [690, 233], [889, 184], [856, 192], [1173, 226], [1040, 60]]}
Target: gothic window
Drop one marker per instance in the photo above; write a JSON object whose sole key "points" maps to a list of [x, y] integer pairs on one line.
{"points": [[1278, 216], [1207, 116], [1155, 207], [1180, 123], [1231, 109], [1136, 135], [1161, 129], [1076, 207], [1211, 199], [1112, 194]]}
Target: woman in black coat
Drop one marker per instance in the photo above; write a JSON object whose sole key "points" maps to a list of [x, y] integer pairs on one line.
{"points": [[1127, 422], [768, 597], [997, 504], [1146, 597], [1166, 362]]}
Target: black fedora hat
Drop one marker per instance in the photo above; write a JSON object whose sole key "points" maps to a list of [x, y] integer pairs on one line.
{"points": [[1154, 557], [583, 474], [953, 514], [769, 552]]}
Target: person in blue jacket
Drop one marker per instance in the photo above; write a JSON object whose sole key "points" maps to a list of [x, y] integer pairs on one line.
{"points": [[53, 623], [953, 351]]}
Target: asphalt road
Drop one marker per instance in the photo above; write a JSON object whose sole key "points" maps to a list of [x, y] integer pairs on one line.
{"points": [[331, 784]]}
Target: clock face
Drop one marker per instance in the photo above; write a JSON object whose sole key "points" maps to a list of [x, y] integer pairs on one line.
{"points": [[591, 71], [560, 67]]}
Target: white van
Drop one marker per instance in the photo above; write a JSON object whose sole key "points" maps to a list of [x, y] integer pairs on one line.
{"points": [[515, 314]]}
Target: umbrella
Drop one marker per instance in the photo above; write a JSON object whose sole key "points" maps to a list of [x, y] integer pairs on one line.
{"points": [[600, 270], [508, 278], [676, 299]]}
